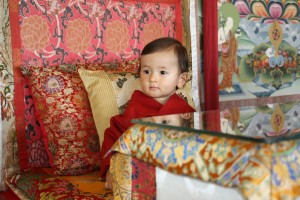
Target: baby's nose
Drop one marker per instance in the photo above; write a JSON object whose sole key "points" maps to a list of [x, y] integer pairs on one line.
{"points": [[153, 77]]}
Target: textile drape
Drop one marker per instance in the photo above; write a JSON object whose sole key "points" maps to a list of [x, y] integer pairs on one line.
{"points": [[210, 62], [210, 54], [6, 92]]}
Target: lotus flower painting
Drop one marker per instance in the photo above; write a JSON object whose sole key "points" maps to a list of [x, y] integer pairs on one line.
{"points": [[258, 45]]}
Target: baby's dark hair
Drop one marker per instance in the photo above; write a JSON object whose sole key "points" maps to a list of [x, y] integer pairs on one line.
{"points": [[166, 43]]}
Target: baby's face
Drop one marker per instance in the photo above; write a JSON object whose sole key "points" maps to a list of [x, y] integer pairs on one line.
{"points": [[160, 75]]}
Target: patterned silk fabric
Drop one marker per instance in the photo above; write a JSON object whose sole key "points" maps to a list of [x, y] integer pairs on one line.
{"points": [[261, 171], [132, 178], [40, 183], [69, 131]]}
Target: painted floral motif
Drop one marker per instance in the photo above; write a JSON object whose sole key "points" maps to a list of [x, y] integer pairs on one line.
{"points": [[117, 39], [78, 35], [35, 34], [268, 11], [151, 32]]}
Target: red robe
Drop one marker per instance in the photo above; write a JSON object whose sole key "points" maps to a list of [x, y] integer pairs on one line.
{"points": [[139, 106]]}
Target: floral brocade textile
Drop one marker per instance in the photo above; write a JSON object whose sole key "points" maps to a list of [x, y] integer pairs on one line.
{"points": [[69, 131], [132, 178], [40, 184], [55, 32], [261, 171]]}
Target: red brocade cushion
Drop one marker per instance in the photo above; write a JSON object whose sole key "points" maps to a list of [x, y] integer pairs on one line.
{"points": [[63, 109]]}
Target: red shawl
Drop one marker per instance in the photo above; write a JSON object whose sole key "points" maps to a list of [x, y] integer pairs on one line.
{"points": [[140, 106]]}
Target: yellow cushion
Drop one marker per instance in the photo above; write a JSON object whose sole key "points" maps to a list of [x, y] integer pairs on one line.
{"points": [[108, 94]]}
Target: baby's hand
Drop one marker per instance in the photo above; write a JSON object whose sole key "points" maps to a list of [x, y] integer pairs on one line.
{"points": [[108, 182]]}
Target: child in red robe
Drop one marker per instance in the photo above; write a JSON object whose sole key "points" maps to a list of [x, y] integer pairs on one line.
{"points": [[163, 69]]}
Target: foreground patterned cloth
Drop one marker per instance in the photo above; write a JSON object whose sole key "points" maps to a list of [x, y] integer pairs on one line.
{"points": [[42, 184], [259, 170], [132, 178]]}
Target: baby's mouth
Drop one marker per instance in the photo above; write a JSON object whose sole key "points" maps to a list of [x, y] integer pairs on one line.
{"points": [[153, 88]]}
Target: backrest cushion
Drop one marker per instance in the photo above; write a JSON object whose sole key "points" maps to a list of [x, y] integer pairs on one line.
{"points": [[65, 117]]}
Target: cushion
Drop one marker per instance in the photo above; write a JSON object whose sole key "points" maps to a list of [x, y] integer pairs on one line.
{"points": [[109, 94], [66, 119], [41, 183]]}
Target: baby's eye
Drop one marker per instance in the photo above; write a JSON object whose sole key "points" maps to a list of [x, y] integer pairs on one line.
{"points": [[146, 71], [163, 72], [165, 122]]}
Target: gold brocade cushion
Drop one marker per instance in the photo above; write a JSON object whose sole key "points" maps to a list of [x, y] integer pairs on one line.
{"points": [[65, 117]]}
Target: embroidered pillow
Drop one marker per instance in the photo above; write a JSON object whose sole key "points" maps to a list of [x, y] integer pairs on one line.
{"points": [[63, 109], [109, 94]]}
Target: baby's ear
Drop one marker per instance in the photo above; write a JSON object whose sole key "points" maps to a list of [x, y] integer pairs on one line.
{"points": [[182, 79]]}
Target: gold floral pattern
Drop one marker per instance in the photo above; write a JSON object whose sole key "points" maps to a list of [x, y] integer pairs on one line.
{"points": [[35, 34], [78, 35], [151, 32], [39, 183], [67, 125], [117, 36], [69, 131]]}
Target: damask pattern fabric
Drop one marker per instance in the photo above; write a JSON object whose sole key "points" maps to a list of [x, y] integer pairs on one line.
{"points": [[36, 151], [66, 119], [92, 30], [41, 184]]}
